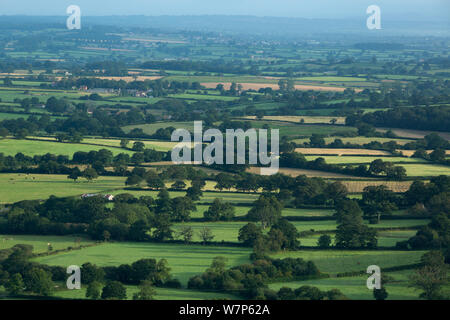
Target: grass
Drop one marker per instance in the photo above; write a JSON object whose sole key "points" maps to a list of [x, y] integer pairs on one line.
{"points": [[358, 140], [15, 187], [339, 261], [10, 147], [161, 294], [156, 145], [228, 231], [153, 127], [185, 261], [40, 243], [355, 288], [385, 238], [287, 212], [208, 197], [425, 170]]}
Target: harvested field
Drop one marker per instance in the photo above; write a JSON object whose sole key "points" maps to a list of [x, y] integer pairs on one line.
{"points": [[339, 152], [414, 134], [358, 186], [298, 119], [130, 78], [308, 173], [409, 153], [257, 86]]}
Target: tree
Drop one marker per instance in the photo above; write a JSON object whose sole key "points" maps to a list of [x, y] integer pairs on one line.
{"points": [[378, 200], [38, 281], [267, 210], [178, 185], [219, 210], [124, 143], [351, 231], [93, 290], [91, 273], [249, 233], [74, 174], [290, 234], [146, 291], [437, 155], [206, 235], [186, 233], [15, 284], [138, 146], [380, 294], [431, 277], [114, 290], [181, 208], [324, 241], [90, 174]]}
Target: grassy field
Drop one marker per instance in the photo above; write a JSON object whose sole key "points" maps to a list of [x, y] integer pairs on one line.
{"points": [[228, 231], [358, 140], [348, 152], [156, 145], [161, 294], [338, 261], [355, 288], [40, 243], [425, 170], [16, 187], [185, 261], [153, 127], [10, 147], [287, 212], [385, 238]]}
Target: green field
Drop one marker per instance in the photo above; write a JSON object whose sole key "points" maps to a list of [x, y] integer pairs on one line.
{"points": [[228, 231], [358, 140], [287, 212], [339, 261], [385, 238], [161, 294], [153, 144], [425, 170], [356, 287], [185, 261], [40, 243], [10, 147], [15, 187], [153, 127]]}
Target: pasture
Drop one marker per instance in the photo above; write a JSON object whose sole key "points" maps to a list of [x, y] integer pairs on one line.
{"points": [[15, 187], [185, 261], [11, 147], [40, 243]]}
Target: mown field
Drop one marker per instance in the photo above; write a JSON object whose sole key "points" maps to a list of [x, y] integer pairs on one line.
{"points": [[161, 294], [356, 287], [11, 147], [40, 243], [228, 231], [185, 261], [15, 187]]}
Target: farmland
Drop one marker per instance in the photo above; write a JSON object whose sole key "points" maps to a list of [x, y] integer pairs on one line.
{"points": [[364, 170]]}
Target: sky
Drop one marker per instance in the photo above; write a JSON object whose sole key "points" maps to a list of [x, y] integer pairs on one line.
{"points": [[405, 10]]}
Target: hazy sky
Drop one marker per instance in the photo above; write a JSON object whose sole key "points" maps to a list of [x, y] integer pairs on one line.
{"points": [[341, 9]]}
